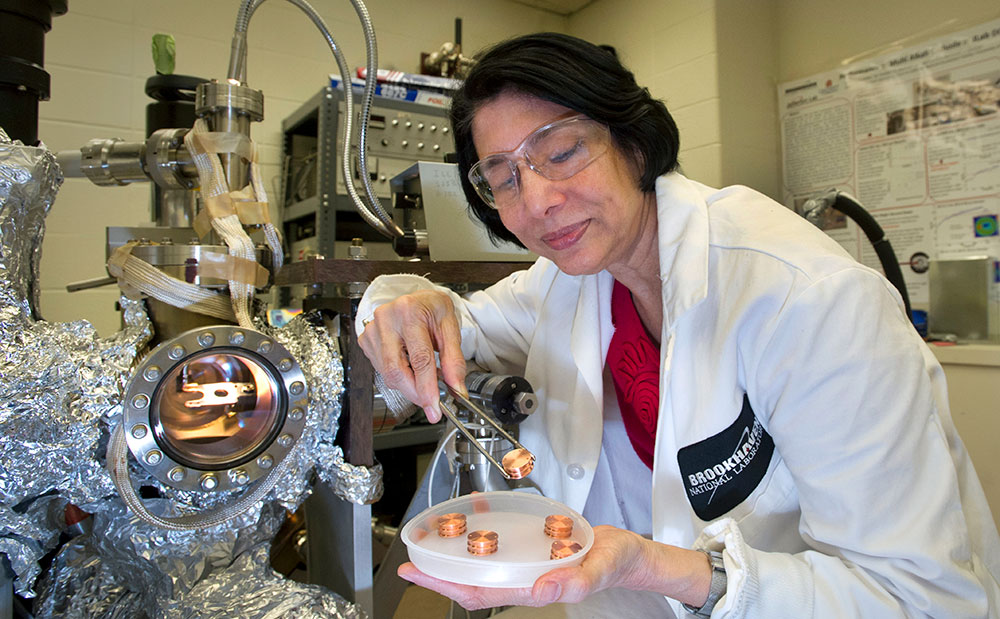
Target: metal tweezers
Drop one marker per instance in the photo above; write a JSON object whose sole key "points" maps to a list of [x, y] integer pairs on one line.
{"points": [[452, 416]]}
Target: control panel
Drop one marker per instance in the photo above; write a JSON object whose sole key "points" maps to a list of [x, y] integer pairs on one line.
{"points": [[396, 139], [318, 216]]}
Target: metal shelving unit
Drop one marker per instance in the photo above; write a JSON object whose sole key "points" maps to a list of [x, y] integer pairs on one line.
{"points": [[317, 214]]}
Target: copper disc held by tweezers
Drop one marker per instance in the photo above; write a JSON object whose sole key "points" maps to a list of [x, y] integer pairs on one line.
{"points": [[483, 542], [564, 548], [518, 463], [559, 527], [451, 525]]}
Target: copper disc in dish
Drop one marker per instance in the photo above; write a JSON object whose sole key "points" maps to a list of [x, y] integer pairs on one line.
{"points": [[564, 548], [518, 463], [452, 527], [559, 527], [483, 542], [454, 516]]}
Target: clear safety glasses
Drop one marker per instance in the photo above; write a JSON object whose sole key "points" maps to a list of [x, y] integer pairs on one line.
{"points": [[556, 151]]}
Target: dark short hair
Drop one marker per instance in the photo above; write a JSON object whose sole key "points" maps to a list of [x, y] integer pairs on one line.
{"points": [[575, 74]]}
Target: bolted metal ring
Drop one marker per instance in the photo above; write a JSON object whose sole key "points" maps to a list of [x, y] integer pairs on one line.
{"points": [[211, 411]]}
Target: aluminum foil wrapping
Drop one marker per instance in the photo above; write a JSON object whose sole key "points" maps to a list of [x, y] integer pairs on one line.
{"points": [[161, 564], [27, 534], [358, 484], [88, 582], [162, 567], [60, 391], [127, 568], [29, 180], [250, 588], [308, 339], [80, 584], [58, 382]]}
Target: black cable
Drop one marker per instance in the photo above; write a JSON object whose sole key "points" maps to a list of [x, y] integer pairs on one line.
{"points": [[887, 257]]}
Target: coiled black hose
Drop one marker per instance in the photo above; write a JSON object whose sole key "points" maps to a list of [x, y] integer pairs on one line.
{"points": [[847, 205]]}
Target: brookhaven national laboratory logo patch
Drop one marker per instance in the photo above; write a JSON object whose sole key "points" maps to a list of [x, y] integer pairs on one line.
{"points": [[721, 471]]}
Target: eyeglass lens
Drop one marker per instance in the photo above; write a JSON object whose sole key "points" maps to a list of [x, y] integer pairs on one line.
{"points": [[556, 153]]}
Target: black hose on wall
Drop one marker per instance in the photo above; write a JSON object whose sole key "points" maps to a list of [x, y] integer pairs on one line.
{"points": [[875, 234]]}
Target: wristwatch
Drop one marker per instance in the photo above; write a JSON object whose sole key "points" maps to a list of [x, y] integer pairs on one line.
{"points": [[717, 588]]}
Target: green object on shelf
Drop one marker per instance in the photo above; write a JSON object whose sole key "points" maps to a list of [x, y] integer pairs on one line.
{"points": [[164, 53]]}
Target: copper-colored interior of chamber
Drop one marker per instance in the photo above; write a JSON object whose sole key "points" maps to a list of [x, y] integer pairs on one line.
{"points": [[216, 409]]}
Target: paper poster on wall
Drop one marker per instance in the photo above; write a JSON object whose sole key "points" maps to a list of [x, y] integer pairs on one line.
{"points": [[914, 136]]}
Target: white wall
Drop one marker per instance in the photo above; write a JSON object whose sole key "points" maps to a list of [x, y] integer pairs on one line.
{"points": [[714, 63], [98, 56], [748, 72], [672, 49]]}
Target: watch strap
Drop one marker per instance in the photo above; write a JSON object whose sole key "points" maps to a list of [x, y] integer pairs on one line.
{"points": [[716, 590]]}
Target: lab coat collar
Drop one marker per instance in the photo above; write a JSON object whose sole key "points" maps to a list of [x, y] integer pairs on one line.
{"points": [[593, 308], [682, 222]]}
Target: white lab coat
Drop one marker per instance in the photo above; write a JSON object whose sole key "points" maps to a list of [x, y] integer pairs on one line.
{"points": [[869, 505]]}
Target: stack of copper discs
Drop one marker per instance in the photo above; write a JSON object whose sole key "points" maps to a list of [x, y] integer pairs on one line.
{"points": [[483, 542], [559, 527], [451, 525], [564, 548], [518, 463]]}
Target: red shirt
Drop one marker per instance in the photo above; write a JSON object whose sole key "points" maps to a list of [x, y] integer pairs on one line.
{"points": [[634, 362]]}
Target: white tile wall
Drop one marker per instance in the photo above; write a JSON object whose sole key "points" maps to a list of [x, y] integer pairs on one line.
{"points": [[698, 123], [688, 83], [748, 70], [688, 52], [88, 97], [111, 10], [95, 306], [99, 57], [690, 38], [703, 163], [77, 46], [671, 48], [815, 35]]}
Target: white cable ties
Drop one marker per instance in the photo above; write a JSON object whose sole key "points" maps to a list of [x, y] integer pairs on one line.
{"points": [[154, 283], [271, 234]]}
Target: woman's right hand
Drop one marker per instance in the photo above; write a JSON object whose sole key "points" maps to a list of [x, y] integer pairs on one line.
{"points": [[401, 339]]}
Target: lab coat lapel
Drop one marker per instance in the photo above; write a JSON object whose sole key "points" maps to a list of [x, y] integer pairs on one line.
{"points": [[593, 315], [682, 221]]}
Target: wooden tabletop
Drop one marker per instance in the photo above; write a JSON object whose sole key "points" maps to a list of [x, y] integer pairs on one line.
{"points": [[324, 271]]}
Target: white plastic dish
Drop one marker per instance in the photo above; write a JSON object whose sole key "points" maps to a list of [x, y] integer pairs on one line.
{"points": [[523, 548]]}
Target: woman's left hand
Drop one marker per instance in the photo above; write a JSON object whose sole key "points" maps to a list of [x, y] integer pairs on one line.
{"points": [[618, 558]]}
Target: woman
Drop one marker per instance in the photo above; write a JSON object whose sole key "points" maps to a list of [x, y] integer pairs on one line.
{"points": [[713, 372]]}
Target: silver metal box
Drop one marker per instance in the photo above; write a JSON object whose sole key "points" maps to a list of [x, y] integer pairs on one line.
{"points": [[965, 298]]}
